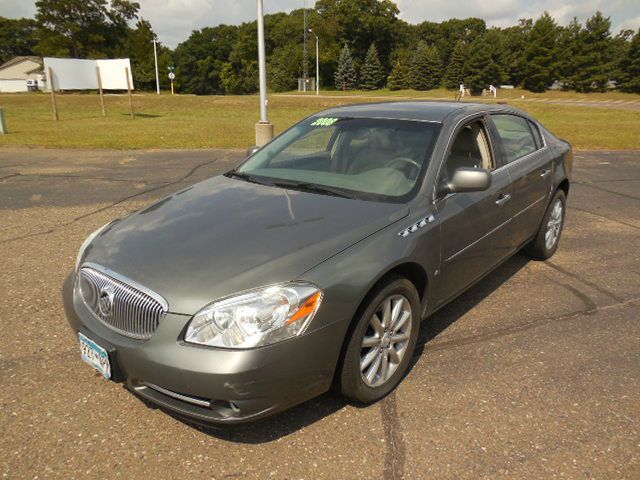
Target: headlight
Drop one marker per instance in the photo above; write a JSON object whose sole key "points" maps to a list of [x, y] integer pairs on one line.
{"points": [[86, 243], [256, 317]]}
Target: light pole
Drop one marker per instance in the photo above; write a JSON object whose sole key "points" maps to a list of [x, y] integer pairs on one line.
{"points": [[317, 61], [155, 57], [264, 129]]}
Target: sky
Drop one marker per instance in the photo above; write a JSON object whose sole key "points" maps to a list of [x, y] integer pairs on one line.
{"points": [[173, 20]]}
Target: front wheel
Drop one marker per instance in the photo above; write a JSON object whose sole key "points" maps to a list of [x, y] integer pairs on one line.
{"points": [[545, 243], [383, 341]]}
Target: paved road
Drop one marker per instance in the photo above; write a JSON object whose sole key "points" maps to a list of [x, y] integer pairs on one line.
{"points": [[535, 373]]}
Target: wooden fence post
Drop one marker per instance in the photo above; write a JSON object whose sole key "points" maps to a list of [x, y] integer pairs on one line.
{"points": [[53, 96], [126, 71], [104, 111]]}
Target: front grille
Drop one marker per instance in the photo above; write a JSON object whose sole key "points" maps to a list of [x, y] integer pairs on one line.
{"points": [[130, 310]]}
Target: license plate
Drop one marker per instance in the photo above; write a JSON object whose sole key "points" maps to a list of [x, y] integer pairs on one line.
{"points": [[95, 355]]}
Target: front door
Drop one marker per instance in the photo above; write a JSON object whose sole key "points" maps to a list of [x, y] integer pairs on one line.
{"points": [[474, 226]]}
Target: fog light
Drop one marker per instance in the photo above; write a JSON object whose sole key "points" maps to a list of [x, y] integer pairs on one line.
{"points": [[225, 408]]}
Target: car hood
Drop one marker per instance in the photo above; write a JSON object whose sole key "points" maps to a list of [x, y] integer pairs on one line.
{"points": [[226, 235]]}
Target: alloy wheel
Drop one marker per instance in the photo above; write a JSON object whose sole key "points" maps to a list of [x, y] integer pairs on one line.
{"points": [[554, 225], [386, 340]]}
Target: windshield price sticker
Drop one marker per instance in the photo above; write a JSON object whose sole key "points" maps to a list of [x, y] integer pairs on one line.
{"points": [[324, 122]]}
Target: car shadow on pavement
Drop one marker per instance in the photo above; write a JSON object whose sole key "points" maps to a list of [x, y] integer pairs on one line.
{"points": [[450, 313], [312, 411]]}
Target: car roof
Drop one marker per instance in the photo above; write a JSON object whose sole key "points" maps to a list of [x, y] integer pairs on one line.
{"points": [[417, 110]]}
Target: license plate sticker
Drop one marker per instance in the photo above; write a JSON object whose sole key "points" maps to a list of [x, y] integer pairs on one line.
{"points": [[95, 355]]}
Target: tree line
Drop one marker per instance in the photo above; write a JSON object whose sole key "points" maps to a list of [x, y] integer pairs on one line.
{"points": [[363, 44]]}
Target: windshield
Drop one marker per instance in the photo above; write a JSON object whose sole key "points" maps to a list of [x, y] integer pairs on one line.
{"points": [[377, 159]]}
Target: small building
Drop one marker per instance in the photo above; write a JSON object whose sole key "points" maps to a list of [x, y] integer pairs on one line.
{"points": [[21, 74]]}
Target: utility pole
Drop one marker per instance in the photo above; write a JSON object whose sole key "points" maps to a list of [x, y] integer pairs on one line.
{"points": [[264, 128], [305, 55], [155, 57], [317, 61]]}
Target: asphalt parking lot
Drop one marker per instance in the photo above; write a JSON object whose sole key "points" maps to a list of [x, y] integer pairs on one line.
{"points": [[534, 373]]}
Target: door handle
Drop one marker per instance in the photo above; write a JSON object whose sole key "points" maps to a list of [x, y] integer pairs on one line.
{"points": [[503, 198], [545, 172]]}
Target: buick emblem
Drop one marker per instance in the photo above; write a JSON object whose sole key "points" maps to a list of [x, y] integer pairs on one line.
{"points": [[105, 302]]}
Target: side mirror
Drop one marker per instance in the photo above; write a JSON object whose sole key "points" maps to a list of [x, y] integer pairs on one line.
{"points": [[252, 149], [468, 180]]}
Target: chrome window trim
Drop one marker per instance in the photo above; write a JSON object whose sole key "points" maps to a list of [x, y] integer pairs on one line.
{"points": [[518, 160]]}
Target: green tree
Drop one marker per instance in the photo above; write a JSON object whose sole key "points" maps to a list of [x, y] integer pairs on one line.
{"points": [[481, 68], [445, 35], [238, 80], [372, 73], [400, 76], [515, 42], [83, 28], [426, 67], [541, 54], [199, 59], [345, 74], [569, 52], [593, 65], [630, 66], [453, 75], [17, 37], [139, 48], [285, 67], [358, 23]]}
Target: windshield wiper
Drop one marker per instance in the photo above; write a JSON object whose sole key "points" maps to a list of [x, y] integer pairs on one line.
{"points": [[245, 176], [312, 187]]}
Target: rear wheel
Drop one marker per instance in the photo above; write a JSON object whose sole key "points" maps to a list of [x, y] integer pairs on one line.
{"points": [[382, 343], [545, 243]]}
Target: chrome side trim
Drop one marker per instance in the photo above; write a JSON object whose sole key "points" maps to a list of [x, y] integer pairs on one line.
{"points": [[476, 241], [527, 208], [179, 396]]}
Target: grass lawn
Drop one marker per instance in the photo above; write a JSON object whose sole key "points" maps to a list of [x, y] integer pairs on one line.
{"points": [[185, 121], [503, 94]]}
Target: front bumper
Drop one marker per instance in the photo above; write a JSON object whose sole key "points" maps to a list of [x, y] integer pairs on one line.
{"points": [[214, 385]]}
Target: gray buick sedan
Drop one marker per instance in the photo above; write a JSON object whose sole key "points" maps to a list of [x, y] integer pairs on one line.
{"points": [[313, 262]]}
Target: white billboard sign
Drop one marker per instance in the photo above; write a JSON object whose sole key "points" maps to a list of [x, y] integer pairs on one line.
{"points": [[78, 74]]}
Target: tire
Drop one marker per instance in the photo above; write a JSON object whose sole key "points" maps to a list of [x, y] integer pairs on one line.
{"points": [[390, 345], [546, 241]]}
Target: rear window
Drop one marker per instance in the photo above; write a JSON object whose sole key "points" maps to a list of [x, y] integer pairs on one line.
{"points": [[517, 136]]}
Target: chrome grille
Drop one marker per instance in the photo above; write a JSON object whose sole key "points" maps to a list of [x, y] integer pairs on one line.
{"points": [[130, 310]]}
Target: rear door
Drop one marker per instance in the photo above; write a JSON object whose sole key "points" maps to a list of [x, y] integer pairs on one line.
{"points": [[474, 226], [528, 162]]}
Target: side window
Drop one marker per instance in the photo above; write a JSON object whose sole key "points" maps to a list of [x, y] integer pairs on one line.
{"points": [[469, 149], [516, 135]]}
